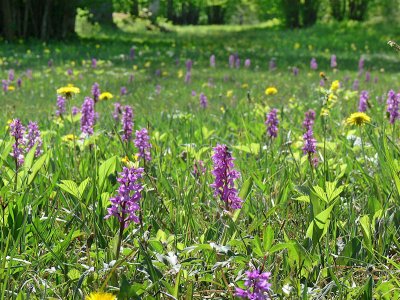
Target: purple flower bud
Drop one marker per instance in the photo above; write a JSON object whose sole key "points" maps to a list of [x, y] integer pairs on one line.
{"points": [[310, 144], [272, 123], [363, 103], [5, 85], [356, 85], [19, 82], [333, 61], [158, 89], [361, 63], [60, 106], [189, 65], [231, 61], [123, 91], [126, 203], [203, 101], [237, 63], [75, 110], [94, 63], [96, 92], [309, 120], [295, 71], [225, 175], [33, 138], [247, 63], [70, 72], [127, 123], [257, 286], [367, 76], [88, 116], [11, 75], [313, 64], [142, 144], [212, 61], [393, 106], [188, 77], [17, 131]]}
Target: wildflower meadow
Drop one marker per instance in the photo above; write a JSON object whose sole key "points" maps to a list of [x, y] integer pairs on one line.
{"points": [[212, 163]]}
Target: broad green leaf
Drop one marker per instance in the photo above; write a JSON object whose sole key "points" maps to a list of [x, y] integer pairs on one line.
{"points": [[28, 161], [106, 168], [319, 226], [366, 231], [7, 150], [268, 237], [37, 166], [82, 186], [244, 192], [70, 187], [253, 148]]}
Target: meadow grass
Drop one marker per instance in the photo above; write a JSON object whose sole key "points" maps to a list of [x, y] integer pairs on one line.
{"points": [[324, 232]]}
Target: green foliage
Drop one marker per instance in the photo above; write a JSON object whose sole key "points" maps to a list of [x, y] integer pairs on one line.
{"points": [[327, 231]]}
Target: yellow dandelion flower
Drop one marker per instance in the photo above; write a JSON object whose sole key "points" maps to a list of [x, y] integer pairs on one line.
{"points": [[335, 85], [229, 93], [245, 85], [68, 91], [11, 88], [69, 137], [125, 160], [271, 91], [222, 109], [101, 296], [358, 118], [180, 74], [105, 96], [324, 112], [147, 64]]}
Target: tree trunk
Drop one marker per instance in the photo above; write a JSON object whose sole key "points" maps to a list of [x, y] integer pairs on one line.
{"points": [[358, 9], [45, 19], [170, 10], [291, 11], [8, 24], [135, 8], [102, 13], [338, 9]]}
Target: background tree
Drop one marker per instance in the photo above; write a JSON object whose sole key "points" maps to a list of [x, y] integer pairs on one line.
{"points": [[358, 9], [43, 19], [291, 12], [310, 12], [338, 9]]}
